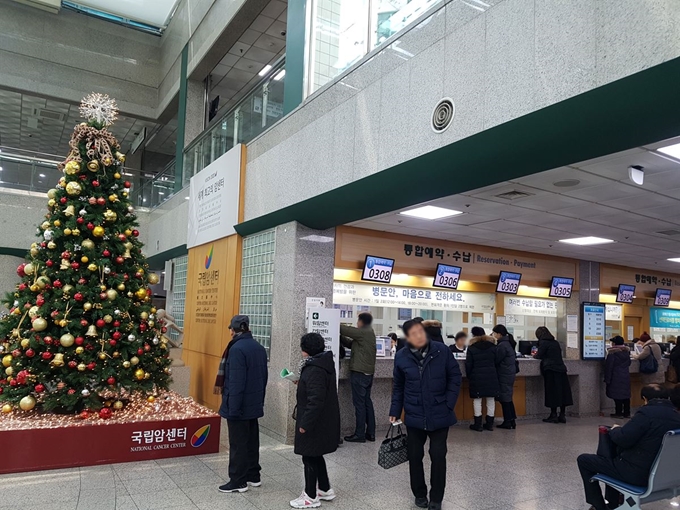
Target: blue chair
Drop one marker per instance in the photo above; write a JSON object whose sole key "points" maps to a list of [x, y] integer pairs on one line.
{"points": [[664, 478]]}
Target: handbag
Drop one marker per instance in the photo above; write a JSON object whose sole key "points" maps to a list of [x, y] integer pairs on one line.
{"points": [[605, 446], [672, 375], [649, 365], [393, 450]]}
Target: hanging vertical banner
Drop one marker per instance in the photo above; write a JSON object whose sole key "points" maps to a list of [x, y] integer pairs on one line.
{"points": [[214, 199], [326, 322]]}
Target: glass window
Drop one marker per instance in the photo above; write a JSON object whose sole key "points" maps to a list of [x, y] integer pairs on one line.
{"points": [[389, 16]]}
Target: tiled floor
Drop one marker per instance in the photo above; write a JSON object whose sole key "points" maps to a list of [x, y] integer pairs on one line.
{"points": [[531, 468]]}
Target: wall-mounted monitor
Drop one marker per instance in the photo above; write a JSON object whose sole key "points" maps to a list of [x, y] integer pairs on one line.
{"points": [[593, 330], [561, 287], [447, 277], [508, 283], [377, 269], [662, 297], [625, 294]]}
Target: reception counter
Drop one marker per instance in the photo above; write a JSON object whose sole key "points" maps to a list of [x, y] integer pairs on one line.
{"points": [[586, 379]]}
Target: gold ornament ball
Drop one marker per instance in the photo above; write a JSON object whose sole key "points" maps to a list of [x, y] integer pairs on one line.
{"points": [[52, 193], [51, 202], [102, 355], [27, 403], [33, 312], [130, 294], [116, 175], [35, 288], [102, 288], [111, 294], [113, 198], [7, 409], [28, 269], [139, 374], [57, 223], [125, 194], [45, 225], [73, 188], [128, 232], [82, 367], [93, 165], [9, 370], [66, 340], [126, 364], [84, 259], [153, 310], [72, 168], [134, 360], [116, 354], [62, 180], [147, 375], [63, 323], [40, 324], [87, 307], [34, 252], [25, 343], [7, 360], [80, 350], [42, 281], [92, 267], [88, 244], [150, 399], [108, 319], [51, 245], [107, 161], [118, 405], [144, 315], [121, 287], [67, 231], [110, 215], [153, 278], [98, 231], [140, 293]]}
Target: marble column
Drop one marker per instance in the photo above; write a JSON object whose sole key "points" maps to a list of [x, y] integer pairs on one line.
{"points": [[590, 380], [303, 267], [195, 114]]}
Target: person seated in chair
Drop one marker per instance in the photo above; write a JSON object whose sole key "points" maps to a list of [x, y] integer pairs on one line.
{"points": [[638, 443]]}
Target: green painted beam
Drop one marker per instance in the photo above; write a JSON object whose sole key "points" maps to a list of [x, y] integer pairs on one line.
{"points": [[181, 119], [640, 109], [14, 252], [158, 261], [294, 84]]}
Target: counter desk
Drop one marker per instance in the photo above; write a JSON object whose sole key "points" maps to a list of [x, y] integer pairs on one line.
{"points": [[586, 379]]}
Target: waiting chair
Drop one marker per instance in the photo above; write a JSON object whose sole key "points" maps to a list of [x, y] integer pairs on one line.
{"points": [[664, 478]]}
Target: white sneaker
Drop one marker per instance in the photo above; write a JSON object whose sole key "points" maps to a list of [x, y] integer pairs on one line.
{"points": [[255, 484], [305, 501], [328, 495]]}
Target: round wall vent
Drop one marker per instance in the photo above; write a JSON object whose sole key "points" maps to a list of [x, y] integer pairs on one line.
{"points": [[442, 115]]}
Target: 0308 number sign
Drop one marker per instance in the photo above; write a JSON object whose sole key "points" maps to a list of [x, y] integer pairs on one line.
{"points": [[377, 269]]}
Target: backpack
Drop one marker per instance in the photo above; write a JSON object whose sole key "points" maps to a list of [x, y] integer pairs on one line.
{"points": [[649, 365]]}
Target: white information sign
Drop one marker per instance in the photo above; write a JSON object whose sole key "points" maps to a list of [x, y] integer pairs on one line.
{"points": [[447, 277], [377, 269], [572, 340], [214, 199], [572, 324], [314, 302], [535, 307], [594, 341], [508, 283], [614, 312], [345, 293], [326, 322]]}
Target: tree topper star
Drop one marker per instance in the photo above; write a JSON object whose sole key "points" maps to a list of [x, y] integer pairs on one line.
{"points": [[99, 107]]}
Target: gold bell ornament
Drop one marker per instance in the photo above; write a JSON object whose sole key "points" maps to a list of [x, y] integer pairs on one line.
{"points": [[70, 210], [67, 289], [127, 255], [91, 330], [51, 245], [120, 157], [93, 165], [58, 360]]}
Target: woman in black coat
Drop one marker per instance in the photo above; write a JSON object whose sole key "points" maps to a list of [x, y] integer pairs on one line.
{"points": [[480, 370], [317, 419], [554, 371], [617, 377], [506, 362]]}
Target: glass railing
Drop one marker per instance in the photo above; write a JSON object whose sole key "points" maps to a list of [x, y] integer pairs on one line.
{"points": [[259, 110]]}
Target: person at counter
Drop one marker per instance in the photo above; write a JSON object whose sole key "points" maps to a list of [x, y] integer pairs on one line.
{"points": [[477, 331], [433, 328], [675, 360], [638, 443], [556, 383], [396, 343], [460, 343], [648, 373], [617, 377], [480, 370], [361, 340], [507, 368], [427, 382]]}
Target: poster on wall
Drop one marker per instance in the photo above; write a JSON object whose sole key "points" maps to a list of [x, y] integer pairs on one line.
{"points": [[214, 199], [362, 294], [534, 307], [593, 331]]}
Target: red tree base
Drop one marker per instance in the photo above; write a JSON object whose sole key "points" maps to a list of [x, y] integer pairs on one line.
{"points": [[171, 427]]}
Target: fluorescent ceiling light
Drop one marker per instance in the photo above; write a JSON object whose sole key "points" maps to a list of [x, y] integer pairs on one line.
{"points": [[587, 241], [676, 259], [280, 75], [431, 212], [265, 70], [671, 150], [42, 175]]}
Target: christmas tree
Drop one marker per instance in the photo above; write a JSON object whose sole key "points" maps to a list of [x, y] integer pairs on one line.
{"points": [[81, 334]]}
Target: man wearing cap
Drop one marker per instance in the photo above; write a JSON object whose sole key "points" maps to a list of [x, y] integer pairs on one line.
{"points": [[242, 379]]}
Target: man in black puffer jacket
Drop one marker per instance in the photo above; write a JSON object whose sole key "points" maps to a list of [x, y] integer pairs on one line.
{"points": [[638, 443]]}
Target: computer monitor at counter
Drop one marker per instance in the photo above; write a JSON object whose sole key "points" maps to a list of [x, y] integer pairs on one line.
{"points": [[525, 346]]}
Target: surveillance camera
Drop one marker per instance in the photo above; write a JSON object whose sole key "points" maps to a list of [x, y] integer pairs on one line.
{"points": [[283, 33], [636, 173]]}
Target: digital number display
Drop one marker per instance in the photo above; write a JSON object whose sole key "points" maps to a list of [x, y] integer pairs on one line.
{"points": [[561, 287], [377, 269], [663, 297], [625, 294], [508, 283], [447, 277]]}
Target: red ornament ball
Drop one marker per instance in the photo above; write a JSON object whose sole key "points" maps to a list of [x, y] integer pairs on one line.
{"points": [[126, 277], [116, 324], [101, 201], [100, 323], [80, 220], [78, 296], [122, 237], [20, 270], [95, 183], [40, 300], [43, 244], [127, 184], [48, 340], [102, 296], [79, 340], [116, 335], [16, 353], [147, 347], [75, 265], [111, 381], [106, 253], [90, 226], [71, 391], [105, 413], [72, 364], [119, 260], [91, 365], [13, 382], [39, 388], [112, 342], [66, 255], [83, 322], [30, 353], [57, 284], [142, 327], [82, 281], [22, 286], [91, 200], [140, 352], [84, 415], [49, 263], [135, 233], [63, 200]]}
